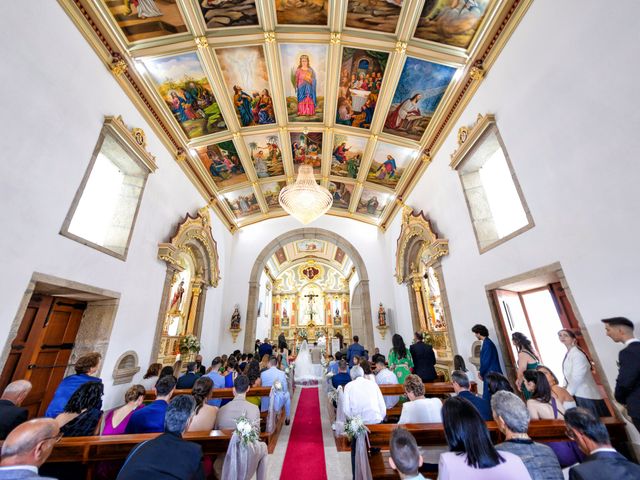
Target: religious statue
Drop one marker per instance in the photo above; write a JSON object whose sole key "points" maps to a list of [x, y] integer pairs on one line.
{"points": [[382, 316], [235, 319], [337, 319], [177, 298], [285, 318]]}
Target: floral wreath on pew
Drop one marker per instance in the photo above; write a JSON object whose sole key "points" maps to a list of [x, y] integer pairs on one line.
{"points": [[246, 431]]}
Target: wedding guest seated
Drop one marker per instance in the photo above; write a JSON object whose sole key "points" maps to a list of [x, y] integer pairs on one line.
{"points": [[151, 377], [265, 349], [217, 378], [81, 414], [228, 414], [168, 455], [116, 420], [419, 409], [405, 457], [542, 405], [496, 382], [512, 417], [86, 366], [11, 414], [458, 364], [243, 362], [562, 396], [366, 368], [165, 372], [27, 447], [472, 456], [151, 418], [205, 415], [342, 377], [461, 386], [187, 380], [268, 378], [602, 461], [384, 376], [333, 366], [253, 374], [264, 363]]}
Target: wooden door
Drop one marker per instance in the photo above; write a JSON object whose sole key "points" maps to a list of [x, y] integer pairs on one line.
{"points": [[41, 349]]}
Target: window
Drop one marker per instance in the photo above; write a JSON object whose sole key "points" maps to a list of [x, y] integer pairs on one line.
{"points": [[496, 205], [104, 210]]}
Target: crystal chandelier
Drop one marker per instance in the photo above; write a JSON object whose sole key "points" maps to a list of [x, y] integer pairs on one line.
{"points": [[305, 199]]}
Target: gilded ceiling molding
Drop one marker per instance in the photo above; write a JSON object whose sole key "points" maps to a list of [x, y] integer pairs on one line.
{"points": [[468, 135], [135, 138], [416, 229], [194, 234], [118, 65]]}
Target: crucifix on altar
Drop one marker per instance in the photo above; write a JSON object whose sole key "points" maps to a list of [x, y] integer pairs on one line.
{"points": [[311, 311]]}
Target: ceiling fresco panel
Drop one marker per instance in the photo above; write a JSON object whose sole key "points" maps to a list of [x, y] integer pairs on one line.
{"points": [[266, 154], [342, 193], [242, 202], [373, 202], [421, 87], [229, 13], [389, 164], [181, 82], [147, 19], [347, 154], [378, 15], [451, 23], [306, 149], [310, 246], [303, 69], [361, 77], [302, 12], [271, 190], [245, 73], [222, 161]]}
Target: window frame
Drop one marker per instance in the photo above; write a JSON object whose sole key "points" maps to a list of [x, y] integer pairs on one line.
{"points": [[133, 142], [469, 138]]}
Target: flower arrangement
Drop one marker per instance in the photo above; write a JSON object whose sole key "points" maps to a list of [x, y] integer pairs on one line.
{"points": [[277, 386], [303, 334], [189, 344], [427, 337], [354, 427], [288, 370], [333, 395], [245, 430]]}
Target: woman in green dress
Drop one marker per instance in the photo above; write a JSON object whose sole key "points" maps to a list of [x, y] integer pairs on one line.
{"points": [[528, 359], [400, 361]]}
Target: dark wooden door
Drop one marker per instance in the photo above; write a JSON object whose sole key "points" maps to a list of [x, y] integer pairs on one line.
{"points": [[41, 349]]}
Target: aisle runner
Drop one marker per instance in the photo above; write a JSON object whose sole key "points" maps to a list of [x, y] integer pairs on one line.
{"points": [[305, 451]]}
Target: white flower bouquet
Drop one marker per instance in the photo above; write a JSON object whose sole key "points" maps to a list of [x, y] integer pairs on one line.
{"points": [[189, 343], [333, 395], [277, 386], [246, 431], [354, 427]]}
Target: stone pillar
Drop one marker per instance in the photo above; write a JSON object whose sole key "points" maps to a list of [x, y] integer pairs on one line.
{"points": [[252, 316]]}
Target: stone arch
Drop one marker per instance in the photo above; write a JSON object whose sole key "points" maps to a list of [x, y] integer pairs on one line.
{"points": [[310, 233]]}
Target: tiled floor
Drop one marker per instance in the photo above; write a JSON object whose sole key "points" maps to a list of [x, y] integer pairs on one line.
{"points": [[338, 463]]}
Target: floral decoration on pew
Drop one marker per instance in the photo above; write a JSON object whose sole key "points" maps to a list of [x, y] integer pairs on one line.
{"points": [[246, 430], [354, 427], [333, 395], [277, 386]]}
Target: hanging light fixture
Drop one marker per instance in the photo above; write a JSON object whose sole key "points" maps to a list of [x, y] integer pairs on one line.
{"points": [[305, 200]]}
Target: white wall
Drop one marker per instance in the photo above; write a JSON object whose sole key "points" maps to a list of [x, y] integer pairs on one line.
{"points": [[565, 95], [57, 93]]}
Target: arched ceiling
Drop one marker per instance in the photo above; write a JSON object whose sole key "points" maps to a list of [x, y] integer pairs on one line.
{"points": [[245, 91], [309, 251]]}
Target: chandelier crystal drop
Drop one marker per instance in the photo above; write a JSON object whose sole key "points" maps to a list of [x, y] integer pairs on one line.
{"points": [[305, 200]]}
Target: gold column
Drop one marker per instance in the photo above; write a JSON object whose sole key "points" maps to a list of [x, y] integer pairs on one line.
{"points": [[193, 308], [416, 284]]}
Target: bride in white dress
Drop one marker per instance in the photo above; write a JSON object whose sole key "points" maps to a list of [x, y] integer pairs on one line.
{"points": [[303, 370]]}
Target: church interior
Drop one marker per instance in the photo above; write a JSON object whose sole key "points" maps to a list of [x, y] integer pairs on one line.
{"points": [[223, 173]]}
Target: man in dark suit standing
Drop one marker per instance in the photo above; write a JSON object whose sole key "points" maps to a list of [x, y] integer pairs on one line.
{"points": [[354, 349], [265, 349], [489, 361], [602, 461], [168, 455], [11, 414], [424, 359], [627, 392]]}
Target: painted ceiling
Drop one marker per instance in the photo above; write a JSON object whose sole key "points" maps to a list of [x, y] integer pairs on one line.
{"points": [[309, 251], [245, 91]]}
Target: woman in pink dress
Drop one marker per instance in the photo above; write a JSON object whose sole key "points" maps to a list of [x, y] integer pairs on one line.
{"points": [[306, 87], [116, 420]]}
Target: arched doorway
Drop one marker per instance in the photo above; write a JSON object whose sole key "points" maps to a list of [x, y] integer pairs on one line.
{"points": [[361, 303]]}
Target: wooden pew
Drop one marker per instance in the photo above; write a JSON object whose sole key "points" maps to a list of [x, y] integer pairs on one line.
{"points": [[216, 393], [436, 389]]}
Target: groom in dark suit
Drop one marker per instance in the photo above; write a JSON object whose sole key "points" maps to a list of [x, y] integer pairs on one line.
{"points": [[489, 361], [424, 359], [627, 392]]}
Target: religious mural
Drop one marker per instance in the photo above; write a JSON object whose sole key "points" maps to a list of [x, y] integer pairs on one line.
{"points": [[341, 193], [373, 202], [245, 73], [378, 15], [271, 190], [281, 256], [302, 12], [146, 19], [307, 150], [421, 87], [181, 82], [348, 151], [266, 154], [242, 202], [339, 255], [229, 13], [361, 75], [310, 246], [222, 161], [451, 23], [303, 76], [389, 164]]}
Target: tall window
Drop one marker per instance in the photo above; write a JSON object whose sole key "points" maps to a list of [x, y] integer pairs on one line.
{"points": [[496, 205], [104, 210]]}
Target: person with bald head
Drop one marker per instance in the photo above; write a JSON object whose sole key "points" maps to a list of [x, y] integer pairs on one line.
{"points": [[27, 447], [11, 414]]}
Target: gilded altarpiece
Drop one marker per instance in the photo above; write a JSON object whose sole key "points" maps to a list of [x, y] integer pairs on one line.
{"points": [[192, 267], [418, 266]]}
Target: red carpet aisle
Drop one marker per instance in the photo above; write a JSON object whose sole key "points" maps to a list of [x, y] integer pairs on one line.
{"points": [[305, 452]]}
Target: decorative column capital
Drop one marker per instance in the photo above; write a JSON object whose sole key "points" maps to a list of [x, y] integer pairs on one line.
{"points": [[477, 71], [118, 65]]}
